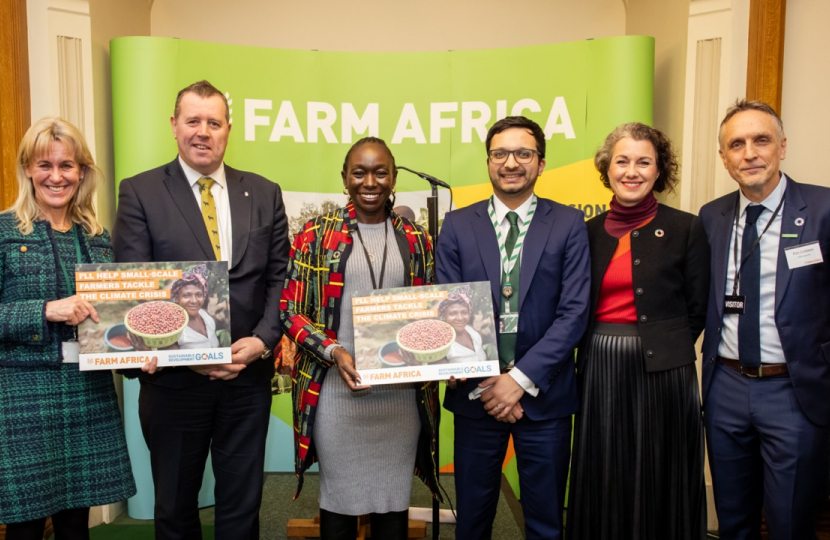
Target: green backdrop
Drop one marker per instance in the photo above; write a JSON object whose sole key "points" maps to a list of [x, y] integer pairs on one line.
{"points": [[296, 113]]}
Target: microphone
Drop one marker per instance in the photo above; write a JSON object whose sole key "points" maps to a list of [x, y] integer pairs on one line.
{"points": [[431, 179]]}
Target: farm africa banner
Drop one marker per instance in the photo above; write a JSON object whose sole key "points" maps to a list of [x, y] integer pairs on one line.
{"points": [[296, 113]]}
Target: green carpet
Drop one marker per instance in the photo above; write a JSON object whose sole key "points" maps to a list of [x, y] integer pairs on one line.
{"points": [[277, 508], [134, 532]]}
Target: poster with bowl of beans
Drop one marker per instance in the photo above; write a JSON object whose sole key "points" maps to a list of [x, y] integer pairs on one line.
{"points": [[428, 333], [178, 312]]}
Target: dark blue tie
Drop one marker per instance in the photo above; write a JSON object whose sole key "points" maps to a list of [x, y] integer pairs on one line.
{"points": [[749, 332]]}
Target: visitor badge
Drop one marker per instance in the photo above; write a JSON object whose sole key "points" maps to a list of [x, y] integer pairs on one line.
{"points": [[803, 255], [70, 351], [508, 323], [734, 304]]}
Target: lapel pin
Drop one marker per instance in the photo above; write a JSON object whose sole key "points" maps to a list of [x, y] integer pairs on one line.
{"points": [[246, 193], [659, 233], [799, 222]]}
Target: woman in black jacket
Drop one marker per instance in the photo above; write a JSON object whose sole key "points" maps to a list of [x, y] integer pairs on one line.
{"points": [[637, 468]]}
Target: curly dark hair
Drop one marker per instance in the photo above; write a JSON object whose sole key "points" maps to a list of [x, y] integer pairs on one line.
{"points": [[668, 168]]}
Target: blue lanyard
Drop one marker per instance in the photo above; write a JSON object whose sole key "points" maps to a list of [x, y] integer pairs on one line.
{"points": [[745, 257]]}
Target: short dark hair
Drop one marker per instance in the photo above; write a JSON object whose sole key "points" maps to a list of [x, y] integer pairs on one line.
{"points": [[202, 89], [742, 105], [367, 140], [390, 203], [667, 165], [518, 122]]}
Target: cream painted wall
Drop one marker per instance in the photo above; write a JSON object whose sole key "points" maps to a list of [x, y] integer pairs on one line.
{"points": [[667, 21], [388, 25], [110, 20], [394, 26], [805, 107]]}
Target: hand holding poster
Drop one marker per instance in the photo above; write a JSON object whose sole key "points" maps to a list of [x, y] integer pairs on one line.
{"points": [[176, 312], [427, 333]]}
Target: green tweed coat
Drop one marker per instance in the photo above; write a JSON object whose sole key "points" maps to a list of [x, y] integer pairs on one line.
{"points": [[61, 440]]}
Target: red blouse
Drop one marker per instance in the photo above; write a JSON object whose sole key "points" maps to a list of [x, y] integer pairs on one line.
{"points": [[616, 293]]}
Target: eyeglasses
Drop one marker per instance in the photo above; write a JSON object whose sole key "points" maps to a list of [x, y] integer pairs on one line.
{"points": [[521, 155]]}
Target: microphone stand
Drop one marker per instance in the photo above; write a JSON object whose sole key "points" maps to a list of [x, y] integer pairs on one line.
{"points": [[432, 218], [432, 229]]}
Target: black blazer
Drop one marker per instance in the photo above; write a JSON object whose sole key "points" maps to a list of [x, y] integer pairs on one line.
{"points": [[670, 274], [159, 219]]}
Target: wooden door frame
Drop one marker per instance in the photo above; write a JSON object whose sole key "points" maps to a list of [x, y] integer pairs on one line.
{"points": [[765, 62], [15, 107]]}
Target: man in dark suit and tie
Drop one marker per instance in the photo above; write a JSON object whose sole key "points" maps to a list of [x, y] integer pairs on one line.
{"points": [[766, 350], [196, 208], [534, 252]]}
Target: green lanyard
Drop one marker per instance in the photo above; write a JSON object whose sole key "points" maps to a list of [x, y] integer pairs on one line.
{"points": [[509, 262], [70, 282]]}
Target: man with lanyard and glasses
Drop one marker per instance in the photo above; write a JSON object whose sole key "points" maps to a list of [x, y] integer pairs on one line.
{"points": [[766, 349], [534, 252]]}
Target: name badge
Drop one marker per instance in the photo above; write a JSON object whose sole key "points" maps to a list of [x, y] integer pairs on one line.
{"points": [[803, 255], [734, 304], [508, 323], [71, 350]]}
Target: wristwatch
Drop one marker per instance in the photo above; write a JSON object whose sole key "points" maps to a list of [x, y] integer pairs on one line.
{"points": [[267, 352]]}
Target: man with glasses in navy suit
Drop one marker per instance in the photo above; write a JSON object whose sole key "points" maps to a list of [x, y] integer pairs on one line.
{"points": [[534, 252]]}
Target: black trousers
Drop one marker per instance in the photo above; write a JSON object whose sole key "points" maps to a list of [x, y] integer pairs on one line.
{"points": [[388, 526], [180, 426], [72, 524]]}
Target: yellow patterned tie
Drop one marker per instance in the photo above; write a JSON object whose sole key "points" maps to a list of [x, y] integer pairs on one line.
{"points": [[209, 213]]}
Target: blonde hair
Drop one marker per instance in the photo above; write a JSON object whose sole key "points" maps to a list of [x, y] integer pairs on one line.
{"points": [[36, 143]]}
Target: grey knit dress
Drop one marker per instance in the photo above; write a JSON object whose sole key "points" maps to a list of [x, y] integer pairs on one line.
{"points": [[366, 440]]}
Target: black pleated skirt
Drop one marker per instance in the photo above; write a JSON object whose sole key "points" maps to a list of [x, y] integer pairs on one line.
{"points": [[637, 464]]}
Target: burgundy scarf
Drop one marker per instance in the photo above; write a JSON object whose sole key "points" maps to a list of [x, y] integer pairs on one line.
{"points": [[623, 219]]}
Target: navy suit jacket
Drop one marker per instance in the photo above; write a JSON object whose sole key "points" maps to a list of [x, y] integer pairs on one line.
{"points": [[802, 295], [159, 219], [554, 294]]}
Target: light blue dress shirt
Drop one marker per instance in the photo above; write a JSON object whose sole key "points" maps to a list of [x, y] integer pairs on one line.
{"points": [[771, 350]]}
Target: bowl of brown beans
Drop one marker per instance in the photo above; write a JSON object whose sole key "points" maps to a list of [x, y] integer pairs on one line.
{"points": [[158, 323], [428, 340]]}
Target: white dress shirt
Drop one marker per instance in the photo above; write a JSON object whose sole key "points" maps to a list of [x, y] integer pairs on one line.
{"points": [[771, 350], [219, 190], [501, 211]]}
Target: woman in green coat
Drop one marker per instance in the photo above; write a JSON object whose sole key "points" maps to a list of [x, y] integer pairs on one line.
{"points": [[62, 447]]}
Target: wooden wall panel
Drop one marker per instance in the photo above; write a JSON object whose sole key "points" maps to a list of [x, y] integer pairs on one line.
{"points": [[765, 65], [15, 110]]}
